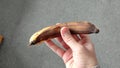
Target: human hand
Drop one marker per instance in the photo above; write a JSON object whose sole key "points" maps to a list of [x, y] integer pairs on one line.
{"points": [[79, 51]]}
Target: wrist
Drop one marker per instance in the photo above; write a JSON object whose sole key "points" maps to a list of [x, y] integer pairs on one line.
{"points": [[91, 66], [96, 66]]}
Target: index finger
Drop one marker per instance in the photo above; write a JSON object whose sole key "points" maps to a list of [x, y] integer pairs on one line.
{"points": [[59, 51]]}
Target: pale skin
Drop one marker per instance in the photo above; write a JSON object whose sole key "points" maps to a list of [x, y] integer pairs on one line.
{"points": [[79, 51]]}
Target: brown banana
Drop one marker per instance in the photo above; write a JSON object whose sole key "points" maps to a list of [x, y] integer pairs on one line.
{"points": [[82, 27], [1, 39]]}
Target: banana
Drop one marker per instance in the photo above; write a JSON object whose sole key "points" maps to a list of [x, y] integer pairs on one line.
{"points": [[1, 39], [82, 27]]}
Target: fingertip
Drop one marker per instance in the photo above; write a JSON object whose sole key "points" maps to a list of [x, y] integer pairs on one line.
{"points": [[57, 23], [46, 42], [64, 30], [84, 35]]}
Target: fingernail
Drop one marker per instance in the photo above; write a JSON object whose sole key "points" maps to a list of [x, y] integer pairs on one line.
{"points": [[57, 23], [65, 31]]}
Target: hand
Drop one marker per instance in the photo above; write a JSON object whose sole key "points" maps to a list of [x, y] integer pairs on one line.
{"points": [[79, 51]]}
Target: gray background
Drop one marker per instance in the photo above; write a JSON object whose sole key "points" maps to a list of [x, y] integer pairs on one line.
{"points": [[19, 19]]}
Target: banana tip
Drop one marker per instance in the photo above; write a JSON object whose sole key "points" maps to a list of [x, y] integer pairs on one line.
{"points": [[97, 31], [34, 42], [31, 43]]}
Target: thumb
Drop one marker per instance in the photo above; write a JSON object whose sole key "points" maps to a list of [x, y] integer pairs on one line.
{"points": [[68, 38]]}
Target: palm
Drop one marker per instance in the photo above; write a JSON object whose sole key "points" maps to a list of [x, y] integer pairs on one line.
{"points": [[68, 58]]}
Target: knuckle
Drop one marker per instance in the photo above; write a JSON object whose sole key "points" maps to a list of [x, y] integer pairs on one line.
{"points": [[69, 39]]}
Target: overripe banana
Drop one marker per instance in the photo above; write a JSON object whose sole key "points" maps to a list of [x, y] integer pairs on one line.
{"points": [[1, 39], [82, 27]]}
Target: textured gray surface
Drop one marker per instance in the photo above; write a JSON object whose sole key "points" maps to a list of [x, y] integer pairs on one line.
{"points": [[19, 19]]}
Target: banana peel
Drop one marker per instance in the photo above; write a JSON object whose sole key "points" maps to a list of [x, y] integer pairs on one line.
{"points": [[82, 27]]}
